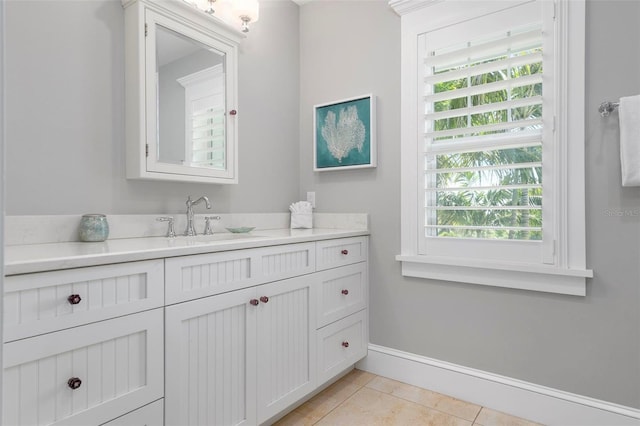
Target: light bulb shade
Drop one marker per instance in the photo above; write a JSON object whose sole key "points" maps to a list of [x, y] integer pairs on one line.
{"points": [[224, 11], [247, 8]]}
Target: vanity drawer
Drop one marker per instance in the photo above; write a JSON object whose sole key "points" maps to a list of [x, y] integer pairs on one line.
{"points": [[286, 261], [343, 291], [193, 277], [117, 366], [50, 301], [342, 344], [340, 252]]}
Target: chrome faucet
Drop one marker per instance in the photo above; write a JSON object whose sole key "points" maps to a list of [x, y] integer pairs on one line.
{"points": [[190, 229]]}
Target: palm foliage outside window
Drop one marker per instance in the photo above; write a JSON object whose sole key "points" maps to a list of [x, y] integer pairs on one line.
{"points": [[483, 138]]}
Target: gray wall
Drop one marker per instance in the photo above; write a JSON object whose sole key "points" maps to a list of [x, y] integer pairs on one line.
{"points": [[65, 114], [586, 345]]}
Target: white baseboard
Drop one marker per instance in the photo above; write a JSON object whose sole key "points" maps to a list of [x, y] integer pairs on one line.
{"points": [[522, 399]]}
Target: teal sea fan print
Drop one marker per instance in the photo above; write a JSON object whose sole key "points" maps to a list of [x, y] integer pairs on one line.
{"points": [[347, 134], [343, 134]]}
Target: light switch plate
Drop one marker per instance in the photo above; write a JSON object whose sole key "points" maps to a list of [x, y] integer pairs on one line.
{"points": [[311, 197]]}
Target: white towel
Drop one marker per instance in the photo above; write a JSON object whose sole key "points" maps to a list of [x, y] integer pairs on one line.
{"points": [[629, 115], [301, 215]]}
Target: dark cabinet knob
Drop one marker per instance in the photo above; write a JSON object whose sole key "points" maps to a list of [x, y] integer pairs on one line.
{"points": [[345, 291], [264, 299], [233, 112], [345, 344], [345, 252], [74, 383], [254, 302], [74, 299]]}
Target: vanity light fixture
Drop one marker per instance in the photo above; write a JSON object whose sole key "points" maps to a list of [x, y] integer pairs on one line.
{"points": [[245, 23], [234, 12]]}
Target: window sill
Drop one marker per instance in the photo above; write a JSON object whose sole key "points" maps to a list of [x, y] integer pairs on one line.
{"points": [[510, 275]]}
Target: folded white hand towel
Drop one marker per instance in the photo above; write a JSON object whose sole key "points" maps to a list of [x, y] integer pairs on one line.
{"points": [[301, 215], [301, 207], [629, 115]]}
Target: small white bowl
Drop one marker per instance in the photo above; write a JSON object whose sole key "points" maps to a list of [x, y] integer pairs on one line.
{"points": [[241, 229]]}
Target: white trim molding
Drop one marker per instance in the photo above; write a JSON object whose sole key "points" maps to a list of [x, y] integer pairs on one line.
{"points": [[402, 7], [510, 275], [516, 397]]}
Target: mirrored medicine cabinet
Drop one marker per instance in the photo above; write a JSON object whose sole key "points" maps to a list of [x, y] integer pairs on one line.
{"points": [[181, 93]]}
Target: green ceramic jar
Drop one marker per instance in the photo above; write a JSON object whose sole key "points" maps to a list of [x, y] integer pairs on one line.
{"points": [[94, 227]]}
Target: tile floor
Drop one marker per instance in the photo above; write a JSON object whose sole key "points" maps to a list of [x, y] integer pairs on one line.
{"points": [[362, 398]]}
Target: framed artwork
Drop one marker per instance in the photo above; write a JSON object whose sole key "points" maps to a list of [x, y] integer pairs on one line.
{"points": [[344, 135]]}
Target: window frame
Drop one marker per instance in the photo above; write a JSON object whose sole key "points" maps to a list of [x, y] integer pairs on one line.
{"points": [[562, 268]]}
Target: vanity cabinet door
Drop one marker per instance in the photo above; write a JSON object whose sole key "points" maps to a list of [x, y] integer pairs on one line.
{"points": [[286, 322], [239, 358], [211, 360]]}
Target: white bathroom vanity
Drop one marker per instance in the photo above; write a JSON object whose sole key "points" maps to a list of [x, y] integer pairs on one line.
{"points": [[212, 330]]}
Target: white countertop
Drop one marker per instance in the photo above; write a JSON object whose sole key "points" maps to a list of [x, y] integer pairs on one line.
{"points": [[27, 258]]}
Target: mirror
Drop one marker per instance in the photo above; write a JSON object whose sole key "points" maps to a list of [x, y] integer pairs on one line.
{"points": [[191, 102], [181, 76]]}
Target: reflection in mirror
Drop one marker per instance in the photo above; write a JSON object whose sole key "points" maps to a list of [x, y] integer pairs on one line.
{"points": [[191, 102]]}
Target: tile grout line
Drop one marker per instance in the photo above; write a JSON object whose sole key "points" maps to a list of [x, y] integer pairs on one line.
{"points": [[348, 397], [476, 418]]}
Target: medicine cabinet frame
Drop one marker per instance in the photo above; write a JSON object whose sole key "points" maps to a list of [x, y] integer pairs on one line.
{"points": [[141, 19]]}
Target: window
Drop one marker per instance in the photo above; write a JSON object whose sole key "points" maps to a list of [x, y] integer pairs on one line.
{"points": [[500, 166]]}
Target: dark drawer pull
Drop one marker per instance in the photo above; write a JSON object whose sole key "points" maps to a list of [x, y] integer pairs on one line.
{"points": [[345, 344], [74, 299], [345, 291], [254, 302], [345, 252], [74, 383], [264, 299]]}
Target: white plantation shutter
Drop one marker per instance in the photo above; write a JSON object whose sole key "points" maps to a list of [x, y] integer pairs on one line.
{"points": [[483, 129], [205, 121], [208, 140]]}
